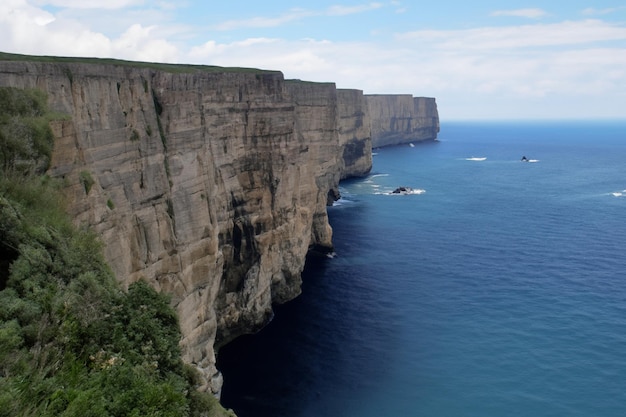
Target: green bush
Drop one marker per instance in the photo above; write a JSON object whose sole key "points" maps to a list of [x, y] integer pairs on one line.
{"points": [[87, 180], [25, 136]]}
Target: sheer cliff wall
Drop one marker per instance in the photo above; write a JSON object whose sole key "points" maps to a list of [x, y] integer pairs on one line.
{"points": [[402, 118], [211, 185], [354, 129]]}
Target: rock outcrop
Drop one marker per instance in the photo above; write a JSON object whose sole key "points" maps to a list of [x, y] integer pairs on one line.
{"points": [[211, 184], [402, 118]]}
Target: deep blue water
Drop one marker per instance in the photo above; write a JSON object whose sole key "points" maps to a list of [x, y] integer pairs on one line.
{"points": [[499, 291]]}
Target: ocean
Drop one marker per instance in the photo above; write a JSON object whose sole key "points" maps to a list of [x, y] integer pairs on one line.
{"points": [[496, 288]]}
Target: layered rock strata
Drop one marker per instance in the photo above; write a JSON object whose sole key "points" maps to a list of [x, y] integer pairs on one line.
{"points": [[211, 184], [402, 118], [354, 129]]}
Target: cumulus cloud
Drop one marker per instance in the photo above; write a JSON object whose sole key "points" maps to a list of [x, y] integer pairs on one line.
{"points": [[30, 30], [528, 13], [143, 44]]}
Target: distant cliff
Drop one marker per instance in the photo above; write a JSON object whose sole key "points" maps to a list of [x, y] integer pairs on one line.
{"points": [[402, 118], [210, 183], [355, 135]]}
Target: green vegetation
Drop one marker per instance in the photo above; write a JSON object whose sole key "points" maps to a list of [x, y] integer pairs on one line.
{"points": [[172, 68], [25, 135], [87, 180], [72, 342]]}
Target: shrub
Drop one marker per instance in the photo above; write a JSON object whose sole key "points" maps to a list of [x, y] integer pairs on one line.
{"points": [[26, 139], [86, 180]]}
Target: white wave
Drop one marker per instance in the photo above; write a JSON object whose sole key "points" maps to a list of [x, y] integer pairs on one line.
{"points": [[412, 191], [533, 160], [342, 202], [417, 191], [481, 158], [378, 175], [411, 145]]}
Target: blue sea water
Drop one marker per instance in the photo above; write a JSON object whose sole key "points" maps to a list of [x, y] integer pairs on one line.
{"points": [[498, 291]]}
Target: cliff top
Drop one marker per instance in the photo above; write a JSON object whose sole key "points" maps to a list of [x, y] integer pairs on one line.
{"points": [[172, 68]]}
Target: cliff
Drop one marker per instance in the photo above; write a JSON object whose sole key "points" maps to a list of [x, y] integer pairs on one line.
{"points": [[402, 118], [354, 129], [209, 183]]}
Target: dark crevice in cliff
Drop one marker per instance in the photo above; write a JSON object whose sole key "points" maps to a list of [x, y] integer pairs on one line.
{"points": [[7, 256], [237, 237], [158, 108]]}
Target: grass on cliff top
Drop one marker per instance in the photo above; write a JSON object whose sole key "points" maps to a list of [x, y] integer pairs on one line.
{"points": [[172, 68]]}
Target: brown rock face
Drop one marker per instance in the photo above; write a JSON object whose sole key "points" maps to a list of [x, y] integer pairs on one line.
{"points": [[211, 185], [402, 118]]}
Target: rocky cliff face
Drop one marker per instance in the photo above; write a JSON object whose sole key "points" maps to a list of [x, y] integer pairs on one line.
{"points": [[402, 118], [354, 128], [211, 185]]}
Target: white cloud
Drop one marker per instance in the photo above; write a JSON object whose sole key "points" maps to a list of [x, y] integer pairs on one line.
{"points": [[528, 13], [294, 15], [591, 11], [347, 10], [263, 22], [213, 53], [143, 44], [90, 4], [297, 59], [539, 35], [29, 30]]}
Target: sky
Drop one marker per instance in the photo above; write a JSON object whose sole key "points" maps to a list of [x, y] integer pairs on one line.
{"points": [[480, 59]]}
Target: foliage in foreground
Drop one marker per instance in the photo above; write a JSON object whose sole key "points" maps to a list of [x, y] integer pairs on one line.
{"points": [[72, 343]]}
